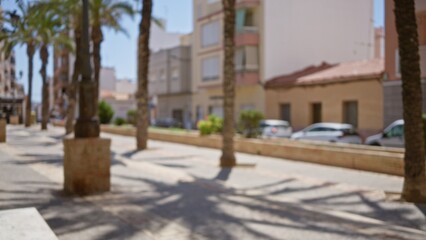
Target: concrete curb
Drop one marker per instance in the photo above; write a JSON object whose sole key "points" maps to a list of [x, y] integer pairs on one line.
{"points": [[358, 157]]}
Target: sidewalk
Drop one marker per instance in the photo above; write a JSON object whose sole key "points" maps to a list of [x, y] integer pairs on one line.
{"points": [[174, 191]]}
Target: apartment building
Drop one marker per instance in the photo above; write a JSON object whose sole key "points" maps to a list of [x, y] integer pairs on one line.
{"points": [[170, 83], [274, 38], [11, 93], [63, 66], [63, 62], [392, 84]]}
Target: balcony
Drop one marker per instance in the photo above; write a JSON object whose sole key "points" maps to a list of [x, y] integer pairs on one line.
{"points": [[248, 3], [247, 78], [247, 36]]}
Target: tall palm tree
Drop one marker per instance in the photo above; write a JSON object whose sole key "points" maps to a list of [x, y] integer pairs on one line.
{"points": [[49, 29], [142, 121], [414, 189], [105, 13], [70, 12], [228, 156], [20, 30]]}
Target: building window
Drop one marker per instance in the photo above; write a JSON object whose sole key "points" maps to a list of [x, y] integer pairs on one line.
{"points": [[422, 50], [152, 77], [397, 63], [177, 114], [162, 76], [175, 73], [210, 34], [316, 110], [350, 112], [210, 68], [247, 107], [246, 20], [247, 58], [216, 111], [285, 111]]}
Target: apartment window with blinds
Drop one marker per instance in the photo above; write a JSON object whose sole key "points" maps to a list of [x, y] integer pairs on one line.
{"points": [[210, 68], [210, 34], [247, 58], [316, 112], [350, 112]]}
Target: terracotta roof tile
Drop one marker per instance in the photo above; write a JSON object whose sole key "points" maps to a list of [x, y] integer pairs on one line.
{"points": [[290, 79], [349, 71]]}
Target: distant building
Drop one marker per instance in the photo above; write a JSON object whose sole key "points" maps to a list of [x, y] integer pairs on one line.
{"points": [[379, 42], [392, 85], [274, 38], [349, 92], [63, 62], [11, 93], [170, 83], [107, 79]]}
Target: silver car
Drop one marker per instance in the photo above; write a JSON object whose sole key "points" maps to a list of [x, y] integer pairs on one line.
{"points": [[392, 136], [329, 132], [272, 128]]}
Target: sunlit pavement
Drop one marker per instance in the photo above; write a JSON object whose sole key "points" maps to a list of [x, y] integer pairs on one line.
{"points": [[173, 191]]}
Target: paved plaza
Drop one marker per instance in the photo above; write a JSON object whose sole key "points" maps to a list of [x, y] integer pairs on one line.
{"points": [[174, 191]]}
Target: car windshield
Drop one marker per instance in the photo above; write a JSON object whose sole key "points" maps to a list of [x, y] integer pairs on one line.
{"points": [[278, 124], [348, 131], [265, 125]]}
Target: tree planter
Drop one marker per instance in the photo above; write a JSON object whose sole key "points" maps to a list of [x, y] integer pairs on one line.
{"points": [[14, 120], [2, 130], [87, 165]]}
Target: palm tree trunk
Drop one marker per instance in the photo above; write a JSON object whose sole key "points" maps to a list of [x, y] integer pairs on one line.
{"points": [[97, 38], [414, 189], [143, 63], [228, 156], [30, 54], [44, 55], [73, 85]]}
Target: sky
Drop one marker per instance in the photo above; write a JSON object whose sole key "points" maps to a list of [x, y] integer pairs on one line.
{"points": [[120, 51]]}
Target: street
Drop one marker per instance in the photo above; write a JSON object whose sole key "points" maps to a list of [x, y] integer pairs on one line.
{"points": [[174, 191]]}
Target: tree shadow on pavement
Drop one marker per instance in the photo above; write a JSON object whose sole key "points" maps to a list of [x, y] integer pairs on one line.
{"points": [[223, 174]]}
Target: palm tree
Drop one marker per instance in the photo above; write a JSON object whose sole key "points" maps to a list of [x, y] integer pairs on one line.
{"points": [[105, 13], [228, 156], [49, 29], [22, 32], [142, 120], [414, 189], [70, 12]]}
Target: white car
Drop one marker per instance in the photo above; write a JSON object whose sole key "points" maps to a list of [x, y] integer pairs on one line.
{"points": [[272, 128], [329, 132], [392, 136]]}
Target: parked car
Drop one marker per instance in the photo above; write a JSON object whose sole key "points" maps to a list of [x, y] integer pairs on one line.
{"points": [[167, 123], [272, 128], [392, 136], [329, 132]]}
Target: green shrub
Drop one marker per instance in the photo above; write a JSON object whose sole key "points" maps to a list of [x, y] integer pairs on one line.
{"points": [[105, 112], [119, 121], [249, 123], [213, 124], [131, 116]]}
